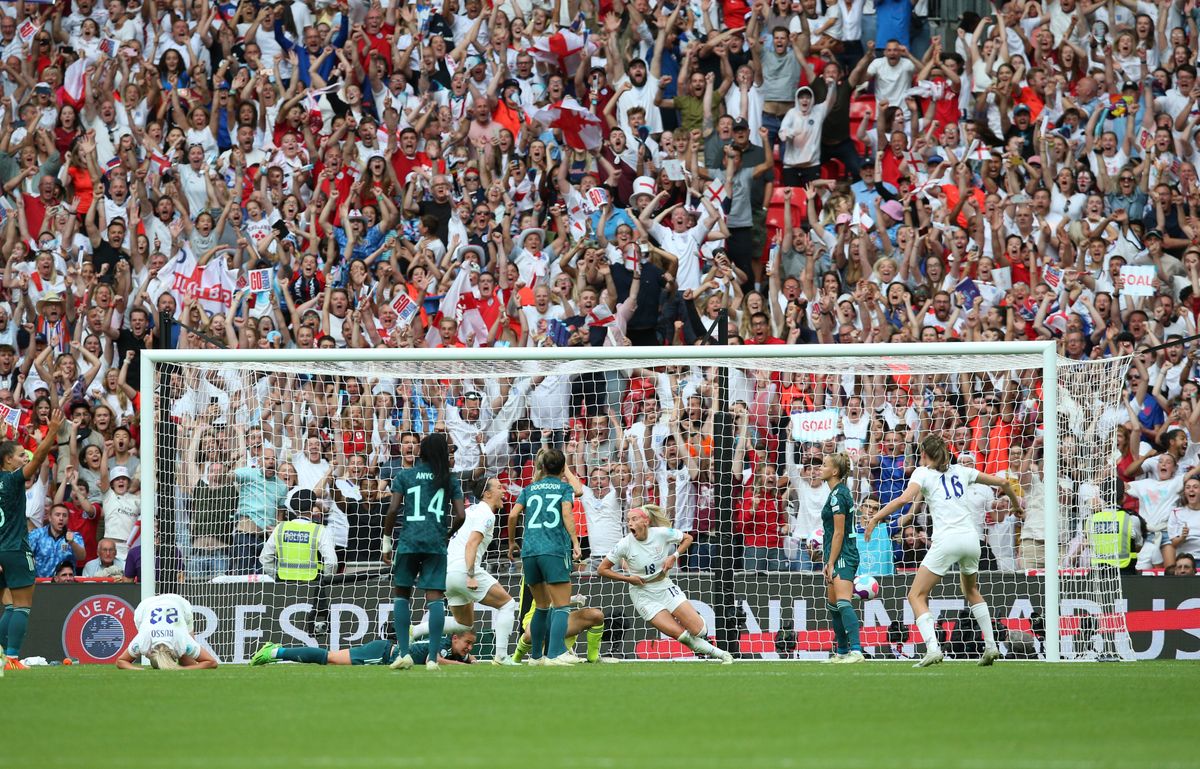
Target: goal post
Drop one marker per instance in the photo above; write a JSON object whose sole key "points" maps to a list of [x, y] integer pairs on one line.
{"points": [[1083, 396]]}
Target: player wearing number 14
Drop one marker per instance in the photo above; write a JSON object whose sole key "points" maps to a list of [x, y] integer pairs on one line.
{"points": [[423, 493]]}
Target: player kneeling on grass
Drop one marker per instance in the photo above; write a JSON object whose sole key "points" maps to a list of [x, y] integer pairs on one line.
{"points": [[164, 636], [650, 550], [587, 618], [456, 650], [955, 541], [467, 582], [841, 557]]}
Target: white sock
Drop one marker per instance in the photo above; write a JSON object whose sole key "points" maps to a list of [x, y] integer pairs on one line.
{"points": [[421, 630], [699, 645], [452, 626], [928, 633], [502, 625], [984, 620]]}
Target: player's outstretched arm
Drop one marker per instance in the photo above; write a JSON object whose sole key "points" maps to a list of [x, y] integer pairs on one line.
{"points": [[911, 494], [202, 661], [127, 662], [1001, 483]]}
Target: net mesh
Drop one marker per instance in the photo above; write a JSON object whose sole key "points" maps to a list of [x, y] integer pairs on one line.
{"points": [[731, 449]]}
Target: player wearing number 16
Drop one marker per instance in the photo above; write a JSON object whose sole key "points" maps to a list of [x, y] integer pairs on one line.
{"points": [[424, 492], [549, 550], [955, 540]]}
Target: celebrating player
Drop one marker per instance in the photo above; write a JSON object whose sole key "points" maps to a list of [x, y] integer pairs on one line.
{"points": [[549, 548], [841, 557], [455, 650], [17, 572], [164, 625], [424, 491], [955, 541], [650, 550], [466, 580]]}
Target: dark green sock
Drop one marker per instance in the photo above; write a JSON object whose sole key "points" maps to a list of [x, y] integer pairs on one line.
{"points": [[401, 620], [17, 624], [437, 624], [309, 654], [539, 628], [839, 630], [850, 623], [5, 618], [558, 630]]}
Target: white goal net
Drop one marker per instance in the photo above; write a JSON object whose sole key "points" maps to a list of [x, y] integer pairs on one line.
{"points": [[728, 440]]}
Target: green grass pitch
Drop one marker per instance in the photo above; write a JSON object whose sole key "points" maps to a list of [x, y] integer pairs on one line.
{"points": [[654, 715]]}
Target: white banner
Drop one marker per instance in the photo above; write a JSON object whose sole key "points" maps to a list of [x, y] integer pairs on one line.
{"points": [[1139, 281], [810, 426]]}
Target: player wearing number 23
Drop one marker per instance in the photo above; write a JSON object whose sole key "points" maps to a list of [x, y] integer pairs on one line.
{"points": [[424, 493], [549, 546]]}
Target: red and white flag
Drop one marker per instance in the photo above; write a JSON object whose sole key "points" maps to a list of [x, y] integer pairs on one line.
{"points": [[213, 284], [564, 49], [459, 303], [580, 128]]}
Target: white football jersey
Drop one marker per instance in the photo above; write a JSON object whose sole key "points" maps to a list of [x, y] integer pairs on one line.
{"points": [[164, 619], [481, 518], [645, 557], [165, 609], [946, 497]]}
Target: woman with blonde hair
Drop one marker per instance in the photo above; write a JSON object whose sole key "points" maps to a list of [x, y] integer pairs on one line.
{"points": [[955, 540], [649, 551], [840, 548]]}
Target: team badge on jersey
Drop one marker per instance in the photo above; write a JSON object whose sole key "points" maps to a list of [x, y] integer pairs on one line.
{"points": [[98, 629]]}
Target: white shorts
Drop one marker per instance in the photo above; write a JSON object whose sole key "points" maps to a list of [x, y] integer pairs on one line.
{"points": [[457, 592], [659, 596], [955, 549]]}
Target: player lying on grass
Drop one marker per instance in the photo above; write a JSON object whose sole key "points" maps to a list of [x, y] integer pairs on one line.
{"points": [[456, 650], [649, 551], [840, 548], [164, 636], [467, 582], [583, 618], [955, 541]]}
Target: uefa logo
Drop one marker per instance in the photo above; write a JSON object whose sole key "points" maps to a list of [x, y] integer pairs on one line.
{"points": [[98, 629]]}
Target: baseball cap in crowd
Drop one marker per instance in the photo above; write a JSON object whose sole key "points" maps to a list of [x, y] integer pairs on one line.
{"points": [[804, 90], [740, 124], [845, 298], [356, 214], [43, 88], [893, 209], [933, 160], [1034, 160], [1021, 108], [119, 471], [1155, 233]]}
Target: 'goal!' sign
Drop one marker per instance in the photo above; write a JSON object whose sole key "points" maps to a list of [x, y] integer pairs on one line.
{"points": [[813, 426], [1139, 281]]}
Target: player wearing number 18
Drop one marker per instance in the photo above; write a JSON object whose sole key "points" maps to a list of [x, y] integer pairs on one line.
{"points": [[423, 491], [549, 550], [955, 540]]}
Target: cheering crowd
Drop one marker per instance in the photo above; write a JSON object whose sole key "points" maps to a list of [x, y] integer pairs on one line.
{"points": [[338, 174]]}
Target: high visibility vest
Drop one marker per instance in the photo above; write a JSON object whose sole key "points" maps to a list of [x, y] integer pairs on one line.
{"points": [[296, 551], [1109, 532]]}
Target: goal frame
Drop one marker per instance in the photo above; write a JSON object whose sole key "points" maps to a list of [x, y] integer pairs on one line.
{"points": [[731, 354]]}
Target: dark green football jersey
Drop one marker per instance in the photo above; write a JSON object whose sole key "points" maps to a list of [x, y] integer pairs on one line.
{"points": [[839, 503], [13, 532], [424, 517], [545, 529]]}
